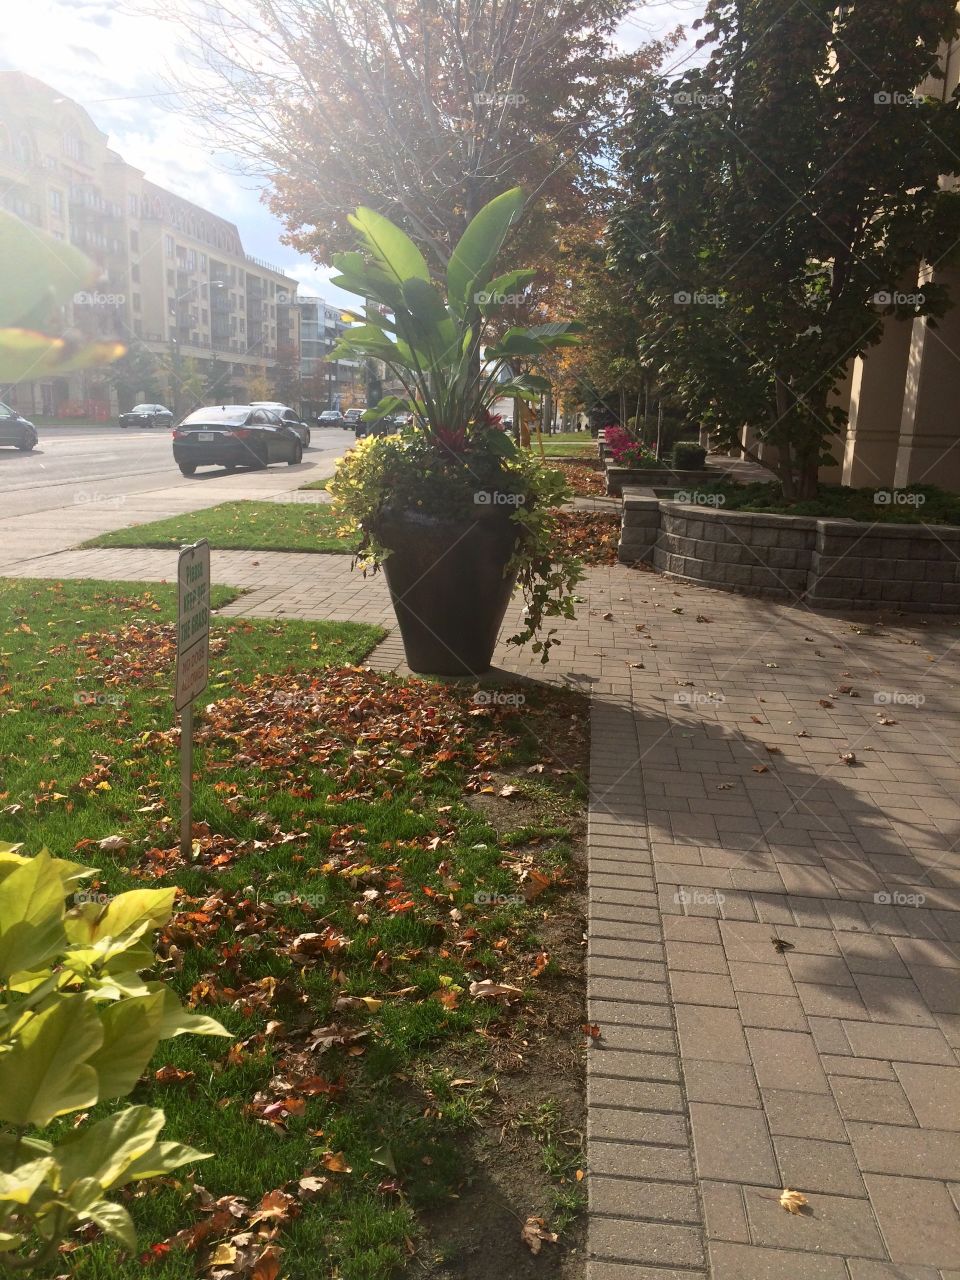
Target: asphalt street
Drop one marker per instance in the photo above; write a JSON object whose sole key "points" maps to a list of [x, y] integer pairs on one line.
{"points": [[97, 464], [81, 481]]}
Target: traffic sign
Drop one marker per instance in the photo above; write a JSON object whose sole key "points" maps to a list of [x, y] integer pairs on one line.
{"points": [[193, 622]]}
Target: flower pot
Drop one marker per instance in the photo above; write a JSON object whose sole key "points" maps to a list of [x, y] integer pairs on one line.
{"points": [[448, 585]]}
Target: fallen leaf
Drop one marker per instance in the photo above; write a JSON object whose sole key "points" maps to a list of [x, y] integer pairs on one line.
{"points": [[760, 768], [591, 1029], [113, 844], [509, 790], [311, 1187], [825, 702], [793, 1201], [534, 1232], [848, 757], [487, 989], [335, 1162], [781, 945]]}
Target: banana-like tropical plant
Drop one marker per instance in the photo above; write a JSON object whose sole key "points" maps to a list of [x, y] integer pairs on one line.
{"points": [[416, 500], [436, 346], [78, 1026], [41, 273]]}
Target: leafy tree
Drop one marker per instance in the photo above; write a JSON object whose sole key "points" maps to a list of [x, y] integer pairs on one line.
{"points": [[137, 376], [777, 199], [258, 387], [421, 110], [285, 374]]}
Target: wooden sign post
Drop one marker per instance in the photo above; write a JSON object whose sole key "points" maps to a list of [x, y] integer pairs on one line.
{"points": [[193, 665]]}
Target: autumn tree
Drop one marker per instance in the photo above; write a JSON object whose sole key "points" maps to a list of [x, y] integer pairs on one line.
{"points": [[285, 374], [777, 199], [422, 109]]}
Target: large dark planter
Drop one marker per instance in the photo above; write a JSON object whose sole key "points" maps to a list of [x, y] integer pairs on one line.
{"points": [[447, 584]]}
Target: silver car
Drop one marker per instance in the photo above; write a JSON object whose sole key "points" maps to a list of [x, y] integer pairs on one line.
{"points": [[289, 417]]}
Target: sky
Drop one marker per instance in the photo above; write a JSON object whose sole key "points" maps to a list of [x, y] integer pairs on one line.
{"points": [[117, 66]]}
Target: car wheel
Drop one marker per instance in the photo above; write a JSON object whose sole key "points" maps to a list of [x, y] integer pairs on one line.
{"points": [[123, 426], [306, 443], [26, 445], [297, 456], [188, 468]]}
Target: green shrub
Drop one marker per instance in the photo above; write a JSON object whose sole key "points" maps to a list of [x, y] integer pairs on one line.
{"points": [[78, 1026], [688, 456]]}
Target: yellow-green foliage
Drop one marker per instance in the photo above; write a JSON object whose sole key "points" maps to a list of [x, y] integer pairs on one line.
{"points": [[78, 1025]]}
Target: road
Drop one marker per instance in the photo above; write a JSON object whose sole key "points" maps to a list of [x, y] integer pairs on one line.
{"points": [[81, 481]]}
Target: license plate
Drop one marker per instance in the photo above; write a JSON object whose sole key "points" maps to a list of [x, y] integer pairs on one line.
{"points": [[205, 435]]}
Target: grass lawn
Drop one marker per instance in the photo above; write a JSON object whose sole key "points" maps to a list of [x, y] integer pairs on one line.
{"points": [[317, 484], [581, 446], [366, 850], [239, 526]]}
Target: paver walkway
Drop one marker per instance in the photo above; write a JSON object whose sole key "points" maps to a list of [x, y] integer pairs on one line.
{"points": [[774, 919]]}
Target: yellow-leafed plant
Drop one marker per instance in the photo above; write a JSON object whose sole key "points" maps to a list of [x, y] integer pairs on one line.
{"points": [[78, 1025]]}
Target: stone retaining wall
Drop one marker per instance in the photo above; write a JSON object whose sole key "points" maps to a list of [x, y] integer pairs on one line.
{"points": [[827, 562]]}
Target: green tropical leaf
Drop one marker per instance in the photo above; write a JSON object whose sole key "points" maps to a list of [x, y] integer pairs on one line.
{"points": [[113, 1220], [393, 250], [162, 1158], [131, 1032], [106, 1150], [21, 1185], [123, 915], [31, 915], [477, 249], [44, 1073], [424, 302], [178, 1021]]}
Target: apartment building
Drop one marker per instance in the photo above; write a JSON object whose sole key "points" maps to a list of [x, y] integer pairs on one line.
{"points": [[339, 384], [201, 318]]}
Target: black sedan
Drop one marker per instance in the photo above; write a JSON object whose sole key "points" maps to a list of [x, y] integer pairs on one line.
{"points": [[287, 415], [16, 430], [234, 435], [147, 415], [331, 418]]}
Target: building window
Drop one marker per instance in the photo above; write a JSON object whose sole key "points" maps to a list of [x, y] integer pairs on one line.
{"points": [[136, 302], [133, 205], [170, 277], [72, 146], [56, 203], [168, 246], [135, 273], [203, 262], [135, 241]]}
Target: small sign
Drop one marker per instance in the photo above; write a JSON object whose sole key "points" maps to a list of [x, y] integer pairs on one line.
{"points": [[193, 622]]}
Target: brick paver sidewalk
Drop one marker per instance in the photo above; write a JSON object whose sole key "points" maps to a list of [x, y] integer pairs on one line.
{"points": [[774, 921]]}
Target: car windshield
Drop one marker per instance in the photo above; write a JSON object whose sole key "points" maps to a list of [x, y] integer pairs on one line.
{"points": [[225, 415], [143, 408], [6, 411]]}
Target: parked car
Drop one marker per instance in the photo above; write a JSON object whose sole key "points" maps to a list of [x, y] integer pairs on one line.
{"points": [[234, 435], [331, 418], [287, 415], [16, 430], [147, 415], [376, 427], [352, 417]]}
